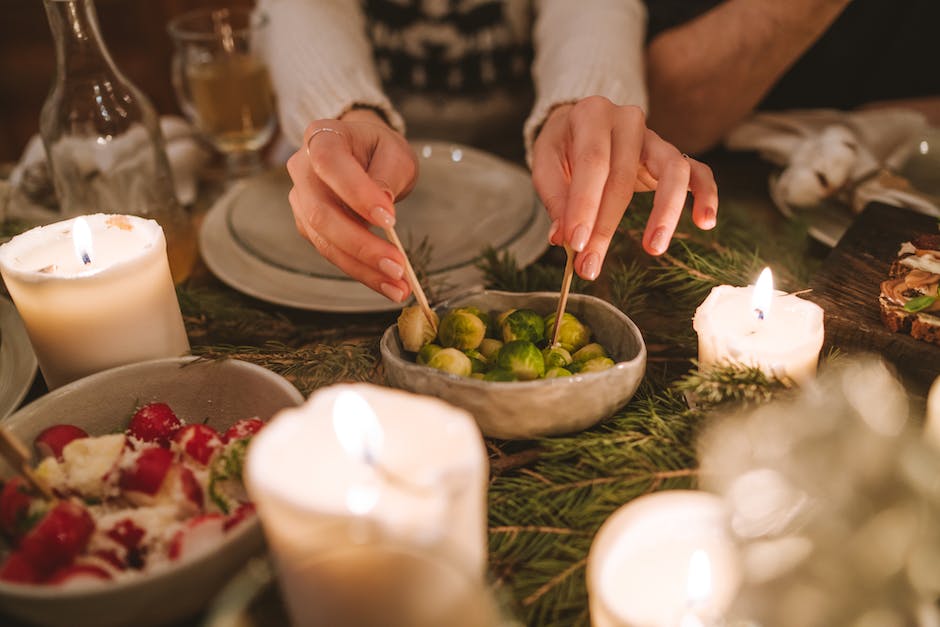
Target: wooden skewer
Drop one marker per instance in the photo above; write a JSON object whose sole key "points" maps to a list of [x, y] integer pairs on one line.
{"points": [[563, 294], [412, 278], [17, 455]]}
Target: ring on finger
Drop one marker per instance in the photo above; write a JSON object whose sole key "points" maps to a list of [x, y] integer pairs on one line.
{"points": [[322, 129]]}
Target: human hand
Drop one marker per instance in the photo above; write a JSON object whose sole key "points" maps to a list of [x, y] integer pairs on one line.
{"points": [[589, 159], [346, 177]]}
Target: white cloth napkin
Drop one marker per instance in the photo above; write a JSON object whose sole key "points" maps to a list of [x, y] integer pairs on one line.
{"points": [[31, 190], [851, 156]]}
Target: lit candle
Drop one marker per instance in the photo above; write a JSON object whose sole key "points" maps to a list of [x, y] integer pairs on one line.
{"points": [[366, 479], [94, 292], [758, 326], [663, 560]]}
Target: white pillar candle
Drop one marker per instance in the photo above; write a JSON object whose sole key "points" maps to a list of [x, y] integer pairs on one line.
{"points": [[362, 466], [758, 326], [104, 300], [663, 560]]}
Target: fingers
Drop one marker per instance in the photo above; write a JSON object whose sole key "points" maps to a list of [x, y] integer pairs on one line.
{"points": [[671, 170], [705, 193], [341, 236], [590, 166], [393, 167], [550, 177]]}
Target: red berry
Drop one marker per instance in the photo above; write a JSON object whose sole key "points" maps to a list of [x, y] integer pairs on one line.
{"points": [[62, 534], [18, 569], [126, 533], [155, 422], [244, 428], [199, 442], [147, 473], [244, 511], [52, 440], [14, 507], [190, 487], [77, 573]]}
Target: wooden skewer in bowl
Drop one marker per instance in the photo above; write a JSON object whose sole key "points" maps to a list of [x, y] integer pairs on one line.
{"points": [[17, 455], [412, 278], [563, 294]]}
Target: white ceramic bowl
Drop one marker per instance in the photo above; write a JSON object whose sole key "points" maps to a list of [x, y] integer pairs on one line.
{"points": [[221, 392], [529, 409]]}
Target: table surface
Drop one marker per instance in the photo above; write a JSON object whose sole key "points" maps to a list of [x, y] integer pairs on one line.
{"points": [[744, 199]]}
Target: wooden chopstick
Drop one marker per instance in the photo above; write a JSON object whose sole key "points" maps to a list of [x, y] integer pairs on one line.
{"points": [[17, 455], [412, 278]]}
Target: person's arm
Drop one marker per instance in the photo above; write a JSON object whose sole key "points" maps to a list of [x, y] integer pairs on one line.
{"points": [[321, 63], [706, 75]]}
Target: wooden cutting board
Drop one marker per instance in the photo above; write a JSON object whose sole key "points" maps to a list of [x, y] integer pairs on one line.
{"points": [[848, 284]]}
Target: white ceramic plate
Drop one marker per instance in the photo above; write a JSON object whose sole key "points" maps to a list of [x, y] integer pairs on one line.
{"points": [[464, 200], [17, 360]]}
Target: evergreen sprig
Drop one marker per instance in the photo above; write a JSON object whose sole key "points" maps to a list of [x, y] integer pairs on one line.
{"points": [[731, 383]]}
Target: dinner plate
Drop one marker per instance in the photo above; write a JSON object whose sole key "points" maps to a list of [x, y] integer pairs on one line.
{"points": [[17, 359], [827, 222], [465, 200]]}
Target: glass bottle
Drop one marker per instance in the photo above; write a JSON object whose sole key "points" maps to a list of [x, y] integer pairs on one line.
{"points": [[102, 136]]}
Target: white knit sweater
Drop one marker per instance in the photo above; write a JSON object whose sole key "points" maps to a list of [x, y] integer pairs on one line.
{"points": [[321, 63]]}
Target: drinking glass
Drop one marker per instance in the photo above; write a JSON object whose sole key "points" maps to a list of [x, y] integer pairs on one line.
{"points": [[222, 84]]}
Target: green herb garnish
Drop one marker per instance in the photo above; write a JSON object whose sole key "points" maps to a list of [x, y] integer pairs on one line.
{"points": [[920, 303]]}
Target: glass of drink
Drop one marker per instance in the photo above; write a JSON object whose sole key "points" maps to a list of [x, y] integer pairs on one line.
{"points": [[222, 83]]}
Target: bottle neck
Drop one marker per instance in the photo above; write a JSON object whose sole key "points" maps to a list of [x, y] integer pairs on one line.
{"points": [[78, 43]]}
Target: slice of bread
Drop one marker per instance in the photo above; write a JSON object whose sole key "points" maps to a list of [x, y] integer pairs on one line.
{"points": [[915, 273]]}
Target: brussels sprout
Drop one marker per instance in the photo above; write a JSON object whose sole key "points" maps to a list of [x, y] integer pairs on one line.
{"points": [[502, 318], [522, 358], [489, 347], [461, 329], [476, 311], [554, 373], [523, 324], [589, 352], [597, 364], [414, 329], [451, 360], [427, 351], [556, 357], [477, 360], [499, 375], [572, 335]]}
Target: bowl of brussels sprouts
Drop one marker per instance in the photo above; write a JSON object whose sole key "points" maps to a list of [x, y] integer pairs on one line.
{"points": [[491, 356]]}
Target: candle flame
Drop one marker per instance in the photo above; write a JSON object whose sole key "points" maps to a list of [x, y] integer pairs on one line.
{"points": [[763, 294], [359, 433], [699, 583], [81, 239]]}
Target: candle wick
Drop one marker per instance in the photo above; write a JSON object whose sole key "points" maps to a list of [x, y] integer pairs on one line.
{"points": [[86, 259], [759, 312]]}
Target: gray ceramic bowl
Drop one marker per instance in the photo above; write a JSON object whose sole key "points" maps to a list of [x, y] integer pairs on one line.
{"points": [[220, 392], [528, 409]]}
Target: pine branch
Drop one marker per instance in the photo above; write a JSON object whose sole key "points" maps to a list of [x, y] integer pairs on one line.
{"points": [[502, 272], [732, 383]]}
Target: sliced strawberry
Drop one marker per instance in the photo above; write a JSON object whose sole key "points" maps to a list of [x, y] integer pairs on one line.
{"points": [[18, 569], [14, 507], [78, 574], [244, 428], [198, 535], [62, 534], [126, 533], [190, 487], [52, 440], [155, 422], [243, 512], [198, 442], [148, 471]]}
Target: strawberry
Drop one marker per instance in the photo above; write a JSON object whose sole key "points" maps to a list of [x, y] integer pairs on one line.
{"points": [[197, 535], [126, 533], [244, 511], [14, 507], [198, 442], [52, 440], [147, 473], [18, 569], [244, 428], [191, 489], [155, 422], [56, 539], [78, 574]]}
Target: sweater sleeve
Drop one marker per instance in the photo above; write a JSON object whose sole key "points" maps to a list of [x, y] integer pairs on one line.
{"points": [[582, 49], [320, 62]]}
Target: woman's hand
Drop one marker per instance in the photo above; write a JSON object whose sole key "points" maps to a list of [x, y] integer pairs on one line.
{"points": [[346, 177], [589, 159]]}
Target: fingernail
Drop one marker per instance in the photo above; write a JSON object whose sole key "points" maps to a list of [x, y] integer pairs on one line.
{"points": [[551, 231], [383, 217], [660, 240], [392, 292], [579, 238], [390, 268], [591, 266], [710, 217]]}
